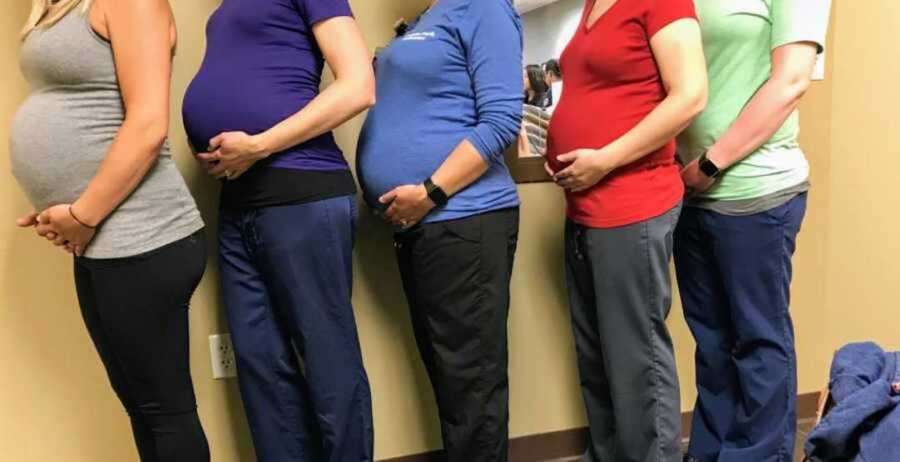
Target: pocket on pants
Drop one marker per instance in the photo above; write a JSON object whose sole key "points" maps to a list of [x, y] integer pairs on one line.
{"points": [[790, 214], [467, 229]]}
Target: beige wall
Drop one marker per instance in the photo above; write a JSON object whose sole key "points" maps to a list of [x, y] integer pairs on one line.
{"points": [[847, 270], [863, 273], [56, 404]]}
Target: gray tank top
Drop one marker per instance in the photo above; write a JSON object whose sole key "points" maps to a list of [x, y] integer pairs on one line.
{"points": [[62, 133]]}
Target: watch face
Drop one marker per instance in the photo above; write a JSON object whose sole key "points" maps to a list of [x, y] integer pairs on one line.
{"points": [[435, 193], [708, 168]]}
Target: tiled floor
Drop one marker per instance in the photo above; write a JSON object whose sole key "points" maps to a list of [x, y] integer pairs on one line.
{"points": [[802, 430]]}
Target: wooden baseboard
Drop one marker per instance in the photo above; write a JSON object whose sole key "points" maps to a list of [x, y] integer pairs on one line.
{"points": [[571, 443]]}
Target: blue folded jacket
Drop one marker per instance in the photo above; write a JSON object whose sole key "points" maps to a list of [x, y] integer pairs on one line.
{"points": [[864, 425]]}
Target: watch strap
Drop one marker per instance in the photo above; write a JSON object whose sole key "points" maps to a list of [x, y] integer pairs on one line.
{"points": [[436, 194], [708, 168]]}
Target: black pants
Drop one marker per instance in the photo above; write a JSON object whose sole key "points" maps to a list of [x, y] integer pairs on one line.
{"points": [[456, 277], [136, 310]]}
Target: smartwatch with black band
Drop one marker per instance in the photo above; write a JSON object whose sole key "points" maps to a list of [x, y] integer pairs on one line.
{"points": [[708, 168], [436, 194]]}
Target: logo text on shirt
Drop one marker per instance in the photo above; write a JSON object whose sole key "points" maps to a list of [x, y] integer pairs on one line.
{"points": [[418, 36]]}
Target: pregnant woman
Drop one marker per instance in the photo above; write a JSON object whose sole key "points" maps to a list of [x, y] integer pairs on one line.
{"points": [[287, 218], [435, 168], [635, 77], [749, 180], [89, 149]]}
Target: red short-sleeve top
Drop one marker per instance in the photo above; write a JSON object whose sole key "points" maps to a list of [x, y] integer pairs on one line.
{"points": [[612, 82]]}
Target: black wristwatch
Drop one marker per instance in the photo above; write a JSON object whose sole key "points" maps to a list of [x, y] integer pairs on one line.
{"points": [[708, 168], [436, 194]]}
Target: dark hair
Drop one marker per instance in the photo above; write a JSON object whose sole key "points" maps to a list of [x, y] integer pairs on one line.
{"points": [[536, 79], [539, 88], [401, 28], [552, 67]]}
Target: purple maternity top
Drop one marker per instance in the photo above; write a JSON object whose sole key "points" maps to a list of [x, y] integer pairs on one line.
{"points": [[263, 65]]}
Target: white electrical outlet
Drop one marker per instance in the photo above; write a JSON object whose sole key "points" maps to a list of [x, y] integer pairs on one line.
{"points": [[222, 355]]}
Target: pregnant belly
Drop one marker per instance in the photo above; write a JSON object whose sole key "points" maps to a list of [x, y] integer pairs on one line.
{"points": [[212, 106], [54, 152], [391, 156], [586, 122]]}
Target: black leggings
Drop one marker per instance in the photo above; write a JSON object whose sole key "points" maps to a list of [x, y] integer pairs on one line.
{"points": [[136, 310]]}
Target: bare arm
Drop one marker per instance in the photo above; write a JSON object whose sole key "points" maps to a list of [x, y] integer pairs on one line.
{"points": [[141, 32], [679, 53], [462, 168], [352, 92], [792, 69], [776, 100]]}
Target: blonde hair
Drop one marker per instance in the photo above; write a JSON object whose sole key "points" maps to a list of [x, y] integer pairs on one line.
{"points": [[41, 15]]}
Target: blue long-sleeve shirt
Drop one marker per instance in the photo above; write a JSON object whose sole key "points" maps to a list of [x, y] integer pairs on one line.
{"points": [[455, 75]]}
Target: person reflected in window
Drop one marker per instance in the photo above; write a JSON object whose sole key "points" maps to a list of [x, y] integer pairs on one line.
{"points": [[535, 120], [537, 90], [554, 78]]}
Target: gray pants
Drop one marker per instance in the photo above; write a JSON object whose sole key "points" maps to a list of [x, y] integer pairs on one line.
{"points": [[620, 294]]}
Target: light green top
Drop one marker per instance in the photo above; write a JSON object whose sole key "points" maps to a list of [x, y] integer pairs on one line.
{"points": [[738, 39]]}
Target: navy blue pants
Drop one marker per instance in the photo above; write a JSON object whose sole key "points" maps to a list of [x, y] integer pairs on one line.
{"points": [[286, 282], [734, 275]]}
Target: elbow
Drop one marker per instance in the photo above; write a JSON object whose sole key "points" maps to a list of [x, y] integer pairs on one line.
{"points": [[496, 131], [355, 91], [365, 94], [511, 134], [506, 138], [688, 101], [156, 138], [511, 128], [695, 102], [796, 89], [792, 86], [369, 101], [701, 101], [150, 132]]}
